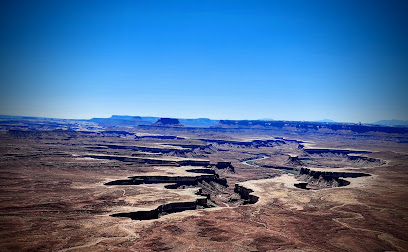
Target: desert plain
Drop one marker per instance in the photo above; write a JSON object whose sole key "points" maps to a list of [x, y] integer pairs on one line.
{"points": [[173, 188]]}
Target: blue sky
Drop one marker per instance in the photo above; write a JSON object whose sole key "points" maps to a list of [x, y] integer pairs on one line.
{"points": [[288, 60]]}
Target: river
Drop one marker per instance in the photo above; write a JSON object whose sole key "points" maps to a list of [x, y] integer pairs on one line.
{"points": [[251, 162]]}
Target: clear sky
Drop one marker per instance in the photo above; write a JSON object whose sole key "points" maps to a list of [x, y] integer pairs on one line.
{"points": [[288, 60]]}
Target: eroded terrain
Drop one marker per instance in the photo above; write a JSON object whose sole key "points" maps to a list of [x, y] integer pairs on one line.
{"points": [[189, 189]]}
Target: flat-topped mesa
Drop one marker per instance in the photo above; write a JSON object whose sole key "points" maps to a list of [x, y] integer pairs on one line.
{"points": [[168, 122], [334, 152], [117, 121], [322, 179], [330, 175]]}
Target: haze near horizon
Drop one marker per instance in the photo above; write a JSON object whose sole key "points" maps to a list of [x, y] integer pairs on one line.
{"points": [[286, 60]]}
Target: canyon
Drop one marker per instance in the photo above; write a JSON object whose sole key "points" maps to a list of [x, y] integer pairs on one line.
{"points": [[129, 184]]}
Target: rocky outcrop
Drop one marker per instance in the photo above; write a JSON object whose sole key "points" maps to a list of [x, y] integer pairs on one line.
{"points": [[351, 157], [294, 161], [207, 178], [324, 179], [334, 152], [329, 175], [245, 194], [225, 166], [302, 186], [365, 160], [168, 122]]}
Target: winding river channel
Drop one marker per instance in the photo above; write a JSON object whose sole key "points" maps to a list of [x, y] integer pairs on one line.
{"points": [[251, 162]]}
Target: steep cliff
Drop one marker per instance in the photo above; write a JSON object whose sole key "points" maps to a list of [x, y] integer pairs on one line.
{"points": [[324, 179], [245, 194]]}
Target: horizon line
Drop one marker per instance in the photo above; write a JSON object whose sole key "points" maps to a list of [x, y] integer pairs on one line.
{"points": [[259, 119]]}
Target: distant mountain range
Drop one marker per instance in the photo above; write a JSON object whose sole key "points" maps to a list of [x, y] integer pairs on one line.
{"points": [[326, 121], [392, 122], [304, 126], [123, 120]]}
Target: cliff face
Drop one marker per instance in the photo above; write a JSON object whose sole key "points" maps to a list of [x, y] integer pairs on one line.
{"points": [[245, 194], [331, 175], [168, 122], [164, 209], [208, 181], [225, 166], [323, 179], [294, 161], [176, 181]]}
